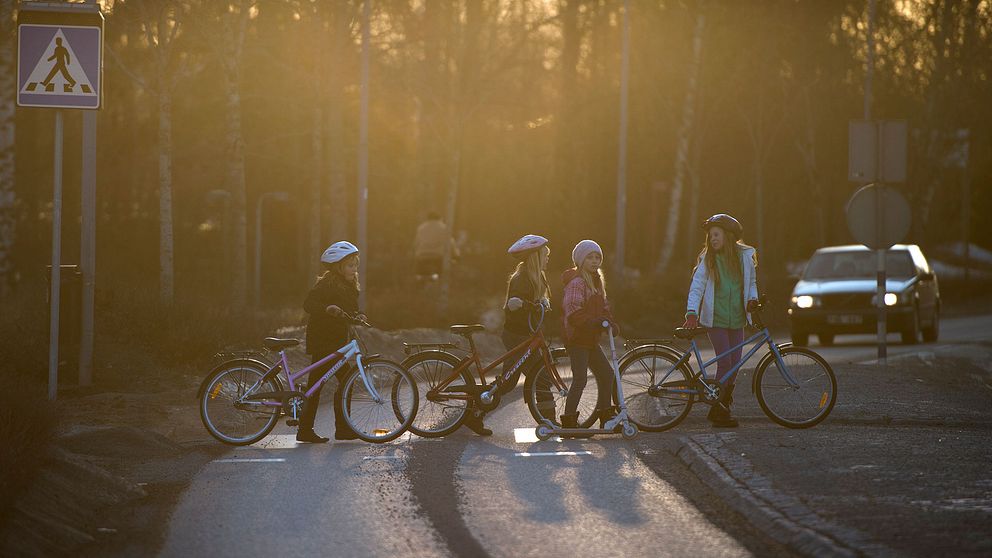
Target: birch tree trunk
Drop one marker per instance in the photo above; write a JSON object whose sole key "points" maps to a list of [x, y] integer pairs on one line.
{"points": [[235, 24], [8, 219], [337, 187], [317, 151], [682, 149], [166, 244]]}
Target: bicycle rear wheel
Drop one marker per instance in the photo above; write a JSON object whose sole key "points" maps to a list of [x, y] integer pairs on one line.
{"points": [[656, 408], [547, 401], [225, 414], [801, 403], [386, 419], [442, 416]]}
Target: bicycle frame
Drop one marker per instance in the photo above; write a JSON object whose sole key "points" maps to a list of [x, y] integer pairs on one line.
{"points": [[535, 342], [760, 338], [342, 356]]}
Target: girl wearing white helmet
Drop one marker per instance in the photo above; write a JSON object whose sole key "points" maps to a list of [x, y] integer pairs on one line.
{"points": [[722, 294], [335, 293]]}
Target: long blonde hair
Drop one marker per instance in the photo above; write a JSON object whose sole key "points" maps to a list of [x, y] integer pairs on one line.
{"points": [[595, 282], [532, 268]]}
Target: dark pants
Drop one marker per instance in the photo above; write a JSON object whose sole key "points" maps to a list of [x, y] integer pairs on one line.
{"points": [[309, 413], [583, 359]]}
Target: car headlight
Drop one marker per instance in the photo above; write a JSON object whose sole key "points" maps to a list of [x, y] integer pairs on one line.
{"points": [[803, 301], [891, 299]]}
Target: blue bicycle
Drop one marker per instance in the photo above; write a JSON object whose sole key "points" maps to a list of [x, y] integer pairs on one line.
{"points": [[794, 386]]}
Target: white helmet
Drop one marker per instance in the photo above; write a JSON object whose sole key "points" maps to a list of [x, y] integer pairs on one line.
{"points": [[338, 251], [526, 244]]}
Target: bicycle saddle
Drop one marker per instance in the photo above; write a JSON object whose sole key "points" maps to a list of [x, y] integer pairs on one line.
{"points": [[275, 343], [686, 333], [467, 329]]}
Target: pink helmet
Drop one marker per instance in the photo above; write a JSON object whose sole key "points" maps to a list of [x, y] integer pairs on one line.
{"points": [[527, 244]]}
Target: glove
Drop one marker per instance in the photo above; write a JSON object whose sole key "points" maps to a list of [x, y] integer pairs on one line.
{"points": [[752, 305], [514, 304], [691, 321]]}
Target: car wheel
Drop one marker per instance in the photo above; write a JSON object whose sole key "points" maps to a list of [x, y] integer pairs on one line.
{"points": [[800, 338], [826, 339], [911, 335], [931, 332]]}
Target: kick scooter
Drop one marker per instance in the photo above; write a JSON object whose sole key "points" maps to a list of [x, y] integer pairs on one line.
{"points": [[548, 429]]}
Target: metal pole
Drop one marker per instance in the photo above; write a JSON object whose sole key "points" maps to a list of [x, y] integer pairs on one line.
{"points": [[871, 58], [87, 249], [879, 213], [363, 151], [56, 274], [622, 158]]}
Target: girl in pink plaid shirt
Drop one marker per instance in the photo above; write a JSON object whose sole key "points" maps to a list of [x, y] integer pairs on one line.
{"points": [[584, 307]]}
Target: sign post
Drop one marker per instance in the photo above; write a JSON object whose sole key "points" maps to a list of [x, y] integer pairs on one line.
{"points": [[877, 216], [60, 66]]}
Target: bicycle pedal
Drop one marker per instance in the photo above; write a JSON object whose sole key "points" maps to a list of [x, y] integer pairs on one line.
{"points": [[292, 422]]}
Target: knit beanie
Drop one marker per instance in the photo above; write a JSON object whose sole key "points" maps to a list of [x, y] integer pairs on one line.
{"points": [[583, 249]]}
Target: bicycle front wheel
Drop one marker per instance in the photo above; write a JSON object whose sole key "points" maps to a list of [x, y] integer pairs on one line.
{"points": [[801, 394], [389, 417], [437, 415], [226, 413], [658, 393], [546, 400]]}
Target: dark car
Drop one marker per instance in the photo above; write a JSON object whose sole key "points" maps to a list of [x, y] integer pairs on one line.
{"points": [[836, 294]]}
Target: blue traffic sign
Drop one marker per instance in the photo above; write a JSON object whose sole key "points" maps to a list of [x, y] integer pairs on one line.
{"points": [[59, 66]]}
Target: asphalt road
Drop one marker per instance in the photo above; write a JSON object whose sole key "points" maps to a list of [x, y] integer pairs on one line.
{"points": [[505, 495]]}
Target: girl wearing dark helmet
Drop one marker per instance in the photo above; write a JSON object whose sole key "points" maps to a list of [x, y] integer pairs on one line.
{"points": [[722, 294], [527, 283], [335, 293]]}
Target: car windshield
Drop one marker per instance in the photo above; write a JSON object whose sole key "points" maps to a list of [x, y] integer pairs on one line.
{"points": [[858, 265]]}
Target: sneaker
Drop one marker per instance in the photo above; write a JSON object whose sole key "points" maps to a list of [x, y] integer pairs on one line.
{"points": [[310, 437]]}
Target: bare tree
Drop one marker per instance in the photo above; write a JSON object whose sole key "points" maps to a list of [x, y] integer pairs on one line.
{"points": [[161, 22], [682, 150]]}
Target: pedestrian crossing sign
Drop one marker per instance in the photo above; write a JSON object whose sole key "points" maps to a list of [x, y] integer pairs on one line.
{"points": [[59, 66]]}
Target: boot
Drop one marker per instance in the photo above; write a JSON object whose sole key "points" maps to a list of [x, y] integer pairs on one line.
{"points": [[605, 415], [305, 431], [572, 421], [342, 431], [719, 415], [474, 423], [309, 436]]}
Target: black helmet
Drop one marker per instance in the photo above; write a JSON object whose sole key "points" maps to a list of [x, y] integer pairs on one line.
{"points": [[725, 222]]}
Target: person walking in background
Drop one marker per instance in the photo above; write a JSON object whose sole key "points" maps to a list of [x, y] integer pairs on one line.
{"points": [[584, 306], [723, 279], [334, 294], [428, 247]]}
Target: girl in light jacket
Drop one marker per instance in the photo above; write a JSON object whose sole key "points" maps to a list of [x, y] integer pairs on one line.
{"points": [[722, 294]]}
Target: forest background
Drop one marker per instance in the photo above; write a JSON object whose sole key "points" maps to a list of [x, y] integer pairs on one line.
{"points": [[503, 116]]}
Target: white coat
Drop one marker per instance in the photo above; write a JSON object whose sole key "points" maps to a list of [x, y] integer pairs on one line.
{"points": [[702, 288]]}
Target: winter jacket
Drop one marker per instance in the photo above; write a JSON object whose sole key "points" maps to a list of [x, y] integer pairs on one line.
{"points": [[702, 288], [516, 321], [583, 309], [327, 333]]}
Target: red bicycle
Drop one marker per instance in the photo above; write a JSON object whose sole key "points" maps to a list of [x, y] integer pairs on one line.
{"points": [[448, 390]]}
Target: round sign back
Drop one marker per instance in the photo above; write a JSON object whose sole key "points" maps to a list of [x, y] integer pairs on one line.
{"points": [[862, 217]]}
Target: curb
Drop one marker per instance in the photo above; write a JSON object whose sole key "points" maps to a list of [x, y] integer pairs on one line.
{"points": [[782, 517]]}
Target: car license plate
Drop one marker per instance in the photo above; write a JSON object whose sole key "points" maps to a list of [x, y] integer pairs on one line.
{"points": [[844, 319]]}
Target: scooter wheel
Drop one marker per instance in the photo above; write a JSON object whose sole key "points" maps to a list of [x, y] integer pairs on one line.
{"points": [[629, 431], [542, 432]]}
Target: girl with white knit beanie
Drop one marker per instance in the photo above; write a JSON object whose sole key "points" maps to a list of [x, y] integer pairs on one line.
{"points": [[584, 307]]}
